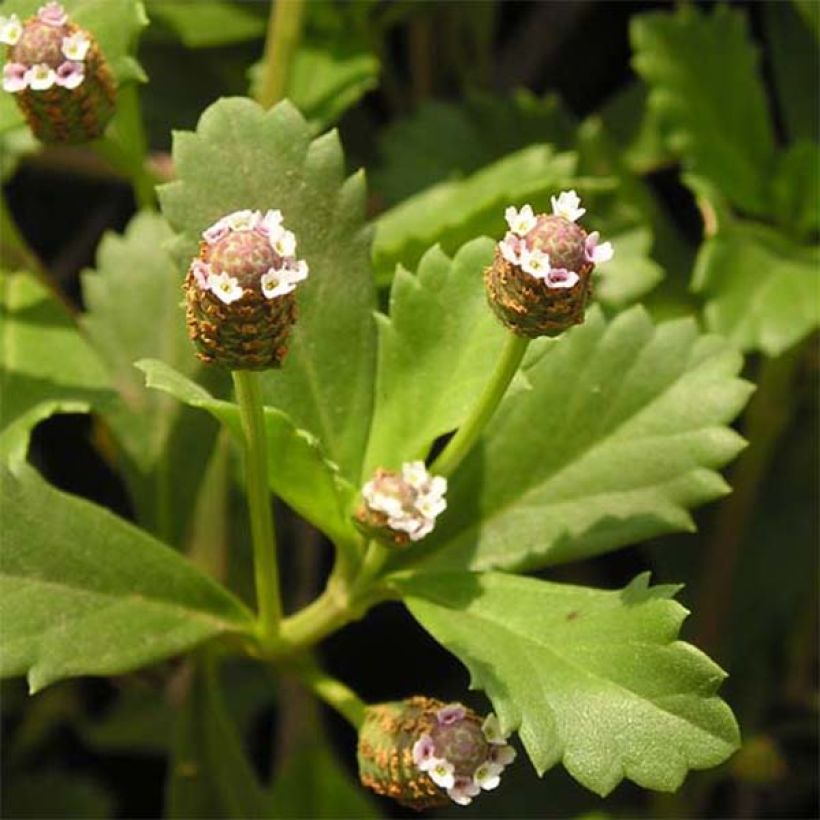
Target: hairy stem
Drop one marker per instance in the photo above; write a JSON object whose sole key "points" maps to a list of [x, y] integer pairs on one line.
{"points": [[284, 33], [462, 442], [266, 570]]}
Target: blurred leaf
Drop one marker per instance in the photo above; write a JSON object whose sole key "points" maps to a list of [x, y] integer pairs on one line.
{"points": [[441, 141], [631, 273], [591, 678], [55, 794], [206, 23], [209, 773], [133, 312], [633, 422], [795, 56], [705, 87], [796, 189], [47, 365], [299, 470], [810, 12], [244, 157], [86, 593], [14, 146], [313, 785], [761, 287], [452, 213], [435, 349], [116, 26]]}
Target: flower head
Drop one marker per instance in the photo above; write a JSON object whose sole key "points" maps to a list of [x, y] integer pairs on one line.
{"points": [[402, 507], [41, 77], [14, 77], [442, 750], [70, 74], [53, 14], [567, 205], [11, 29], [76, 46], [520, 222]]}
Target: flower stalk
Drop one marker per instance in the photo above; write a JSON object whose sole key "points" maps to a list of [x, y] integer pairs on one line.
{"points": [[266, 569], [334, 693], [284, 33]]}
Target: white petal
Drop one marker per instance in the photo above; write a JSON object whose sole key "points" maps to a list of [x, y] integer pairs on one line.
{"points": [[567, 204], [76, 46], [535, 262], [415, 474], [603, 253], [10, 30], [561, 278], [487, 776], [442, 774], [492, 730], [284, 243], [509, 250]]}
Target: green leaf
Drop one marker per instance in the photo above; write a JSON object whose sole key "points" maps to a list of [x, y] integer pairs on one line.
{"points": [[134, 311], [244, 157], [300, 473], [47, 365], [210, 775], [621, 432], [705, 88], [796, 189], [313, 785], [55, 794], [443, 140], [207, 23], [761, 287], [86, 593], [631, 273], [436, 349], [594, 679], [452, 213]]}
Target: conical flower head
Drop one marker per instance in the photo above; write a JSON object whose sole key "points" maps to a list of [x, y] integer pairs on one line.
{"points": [[239, 291], [426, 753], [539, 282], [399, 507], [58, 76]]}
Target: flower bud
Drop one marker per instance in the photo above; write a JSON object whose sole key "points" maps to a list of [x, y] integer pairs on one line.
{"points": [[401, 507], [425, 753], [240, 291], [539, 282], [58, 76]]}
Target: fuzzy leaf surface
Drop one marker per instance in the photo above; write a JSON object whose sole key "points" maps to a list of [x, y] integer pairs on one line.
{"points": [[702, 69], [46, 365], [300, 473], [86, 593], [762, 287], [150, 426], [594, 679], [436, 350], [621, 432], [452, 213], [242, 156]]}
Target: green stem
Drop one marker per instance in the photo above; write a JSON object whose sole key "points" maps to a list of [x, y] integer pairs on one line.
{"points": [[266, 570], [462, 442], [284, 33], [334, 693]]}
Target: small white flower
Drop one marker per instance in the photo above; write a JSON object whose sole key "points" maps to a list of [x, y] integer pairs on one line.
{"points": [[41, 77], [422, 528], [415, 474], [271, 222], [487, 776], [219, 229], [535, 262], [226, 288], [561, 278], [243, 220], [492, 730], [283, 242], [442, 774], [520, 222], [11, 29], [450, 714], [438, 486], [431, 506], [296, 270], [201, 271], [502, 755], [463, 791], [70, 74], [567, 204], [14, 77], [424, 753], [596, 253], [76, 46], [511, 248], [276, 283], [380, 501], [53, 14]]}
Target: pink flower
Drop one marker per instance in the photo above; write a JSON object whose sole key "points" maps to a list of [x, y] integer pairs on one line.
{"points": [[424, 753], [450, 714], [596, 253], [70, 74], [53, 14], [201, 271], [14, 77], [463, 791], [512, 247], [219, 229], [561, 278]]}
